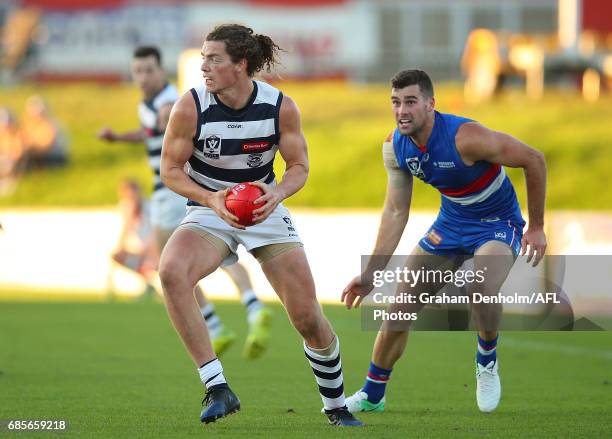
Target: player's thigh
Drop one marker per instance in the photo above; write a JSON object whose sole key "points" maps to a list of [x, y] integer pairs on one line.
{"points": [[432, 267], [290, 276], [162, 236], [495, 259], [188, 254]]}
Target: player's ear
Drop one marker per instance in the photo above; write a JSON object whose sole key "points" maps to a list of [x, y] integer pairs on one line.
{"points": [[241, 66], [431, 104]]}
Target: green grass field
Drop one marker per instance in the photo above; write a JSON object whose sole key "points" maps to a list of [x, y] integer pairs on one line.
{"points": [[344, 125], [118, 370]]}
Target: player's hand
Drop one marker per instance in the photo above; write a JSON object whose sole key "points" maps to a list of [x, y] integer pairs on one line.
{"points": [[355, 291], [271, 198], [216, 201], [107, 134], [535, 239]]}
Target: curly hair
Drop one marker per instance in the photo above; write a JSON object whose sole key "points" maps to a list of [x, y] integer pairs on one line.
{"points": [[242, 43]]}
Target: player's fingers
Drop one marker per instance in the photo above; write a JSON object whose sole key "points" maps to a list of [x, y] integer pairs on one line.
{"points": [[523, 247], [343, 296], [359, 300], [530, 253], [540, 254], [264, 187], [262, 198]]}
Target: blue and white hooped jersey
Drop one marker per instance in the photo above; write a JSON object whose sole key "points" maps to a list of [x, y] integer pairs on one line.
{"points": [[234, 146], [481, 191], [148, 113]]}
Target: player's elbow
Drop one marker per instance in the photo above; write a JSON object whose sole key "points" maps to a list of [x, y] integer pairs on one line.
{"points": [[537, 160]]}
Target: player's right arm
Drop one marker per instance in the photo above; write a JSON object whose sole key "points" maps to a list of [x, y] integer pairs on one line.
{"points": [[134, 136], [392, 224], [176, 151]]}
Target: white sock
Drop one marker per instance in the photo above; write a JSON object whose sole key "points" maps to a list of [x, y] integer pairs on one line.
{"points": [[213, 322], [211, 373], [252, 303]]}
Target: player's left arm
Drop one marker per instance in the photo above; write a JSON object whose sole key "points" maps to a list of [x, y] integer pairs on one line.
{"points": [[293, 149], [476, 142]]}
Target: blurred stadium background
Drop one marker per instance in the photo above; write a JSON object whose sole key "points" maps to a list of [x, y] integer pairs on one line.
{"points": [[540, 70]]}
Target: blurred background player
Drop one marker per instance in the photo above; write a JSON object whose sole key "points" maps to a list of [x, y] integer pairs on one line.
{"points": [[136, 249], [168, 208], [479, 216], [216, 133]]}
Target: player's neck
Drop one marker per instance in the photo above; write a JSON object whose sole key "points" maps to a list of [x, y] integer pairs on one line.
{"points": [[237, 96], [422, 136], [158, 89]]}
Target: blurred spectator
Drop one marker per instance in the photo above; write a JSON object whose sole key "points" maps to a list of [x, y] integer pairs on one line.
{"points": [[16, 37], [11, 151], [42, 138], [136, 249], [481, 65]]}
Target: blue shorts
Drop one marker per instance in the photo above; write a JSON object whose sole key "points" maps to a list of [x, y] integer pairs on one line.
{"points": [[447, 237]]}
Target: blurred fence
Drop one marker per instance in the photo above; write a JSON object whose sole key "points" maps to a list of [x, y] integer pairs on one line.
{"points": [[69, 251]]}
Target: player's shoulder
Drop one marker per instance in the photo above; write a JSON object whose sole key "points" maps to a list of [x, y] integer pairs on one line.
{"points": [[184, 109], [268, 94], [288, 109], [168, 95]]}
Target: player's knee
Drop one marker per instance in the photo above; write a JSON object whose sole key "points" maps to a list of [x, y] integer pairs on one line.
{"points": [[172, 275], [307, 322]]}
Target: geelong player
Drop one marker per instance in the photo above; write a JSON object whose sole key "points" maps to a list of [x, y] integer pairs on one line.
{"points": [[479, 216], [227, 131], [168, 208]]}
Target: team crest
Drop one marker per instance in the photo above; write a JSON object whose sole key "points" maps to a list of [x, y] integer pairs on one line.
{"points": [[414, 165], [212, 147], [254, 160]]}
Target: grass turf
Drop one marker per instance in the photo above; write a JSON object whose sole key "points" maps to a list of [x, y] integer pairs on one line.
{"points": [[118, 370]]}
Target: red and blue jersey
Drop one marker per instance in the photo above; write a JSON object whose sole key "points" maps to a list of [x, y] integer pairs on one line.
{"points": [[481, 191]]}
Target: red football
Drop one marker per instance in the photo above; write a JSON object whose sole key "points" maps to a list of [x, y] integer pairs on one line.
{"points": [[239, 201]]}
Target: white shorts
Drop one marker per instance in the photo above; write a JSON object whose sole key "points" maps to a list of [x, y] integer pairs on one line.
{"points": [[278, 228], [167, 209]]}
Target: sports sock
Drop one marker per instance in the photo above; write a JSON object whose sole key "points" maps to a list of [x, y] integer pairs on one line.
{"points": [[376, 382], [211, 373], [253, 305], [327, 368], [487, 351], [213, 321]]}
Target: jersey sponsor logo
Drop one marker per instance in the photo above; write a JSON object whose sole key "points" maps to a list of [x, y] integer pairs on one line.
{"points": [[212, 147], [444, 165], [234, 125], [254, 160], [433, 237], [414, 166], [500, 235], [255, 146]]}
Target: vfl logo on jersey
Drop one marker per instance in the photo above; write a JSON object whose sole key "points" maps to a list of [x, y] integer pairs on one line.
{"points": [[212, 147], [255, 146], [414, 165], [254, 160]]}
